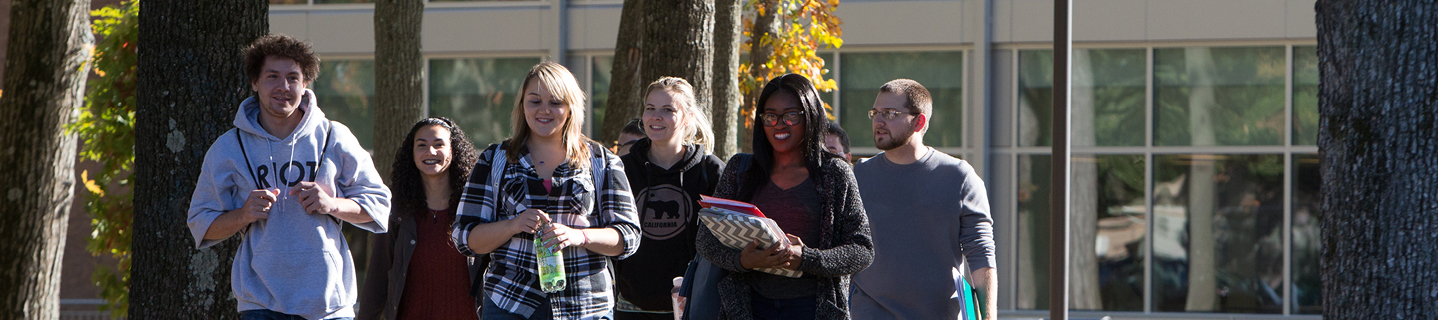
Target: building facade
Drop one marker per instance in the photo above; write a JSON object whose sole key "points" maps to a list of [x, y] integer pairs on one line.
{"points": [[1195, 173]]}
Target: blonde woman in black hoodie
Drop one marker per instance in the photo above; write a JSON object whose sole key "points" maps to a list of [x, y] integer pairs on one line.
{"points": [[667, 170]]}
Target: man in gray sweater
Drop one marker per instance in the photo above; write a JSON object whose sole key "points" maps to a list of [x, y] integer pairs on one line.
{"points": [[929, 213]]}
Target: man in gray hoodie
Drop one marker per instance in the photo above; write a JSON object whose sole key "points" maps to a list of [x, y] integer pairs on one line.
{"points": [[284, 179]]}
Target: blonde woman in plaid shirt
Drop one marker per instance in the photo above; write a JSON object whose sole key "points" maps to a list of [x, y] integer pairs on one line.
{"points": [[548, 173]]}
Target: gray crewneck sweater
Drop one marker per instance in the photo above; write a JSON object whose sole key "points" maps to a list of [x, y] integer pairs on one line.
{"points": [[927, 217]]}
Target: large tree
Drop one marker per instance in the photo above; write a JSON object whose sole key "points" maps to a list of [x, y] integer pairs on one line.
{"points": [[727, 97], [191, 81], [624, 76], [658, 39], [50, 42], [1378, 144], [399, 76]]}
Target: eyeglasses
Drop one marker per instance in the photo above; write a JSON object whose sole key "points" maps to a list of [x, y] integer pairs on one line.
{"points": [[790, 119], [887, 115]]}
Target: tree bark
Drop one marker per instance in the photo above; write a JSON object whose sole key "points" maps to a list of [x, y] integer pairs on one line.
{"points": [[192, 79], [679, 42], [624, 77], [45, 72], [1084, 290], [1377, 103], [659, 39], [1202, 197], [399, 77], [727, 98]]}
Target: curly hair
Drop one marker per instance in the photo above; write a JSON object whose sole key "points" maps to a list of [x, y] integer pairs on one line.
{"points": [[281, 46], [404, 177]]}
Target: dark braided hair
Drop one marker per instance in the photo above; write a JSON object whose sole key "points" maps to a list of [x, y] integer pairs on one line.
{"points": [[405, 180]]}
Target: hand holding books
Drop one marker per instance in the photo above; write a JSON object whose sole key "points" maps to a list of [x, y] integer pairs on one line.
{"points": [[742, 226]]}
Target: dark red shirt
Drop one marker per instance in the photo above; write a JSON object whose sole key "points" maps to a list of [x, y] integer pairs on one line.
{"points": [[436, 285]]}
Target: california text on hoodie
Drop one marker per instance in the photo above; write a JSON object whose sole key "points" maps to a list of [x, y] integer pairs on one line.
{"points": [[293, 262], [668, 216]]}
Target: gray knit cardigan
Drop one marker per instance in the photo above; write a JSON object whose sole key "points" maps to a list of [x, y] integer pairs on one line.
{"points": [[846, 247]]}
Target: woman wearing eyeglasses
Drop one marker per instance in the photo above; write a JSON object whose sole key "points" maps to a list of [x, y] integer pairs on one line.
{"points": [[813, 197]]}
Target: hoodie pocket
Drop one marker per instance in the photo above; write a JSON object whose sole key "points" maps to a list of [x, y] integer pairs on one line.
{"points": [[304, 283]]}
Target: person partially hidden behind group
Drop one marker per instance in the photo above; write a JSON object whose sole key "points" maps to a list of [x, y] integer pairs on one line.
{"points": [[551, 186], [813, 197], [414, 271]]}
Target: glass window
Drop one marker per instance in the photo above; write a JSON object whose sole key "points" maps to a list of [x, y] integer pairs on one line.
{"points": [[1033, 242], [828, 97], [940, 71], [1305, 96], [1107, 97], [1217, 235], [1002, 116], [1219, 96], [478, 94], [289, 2], [345, 92], [1307, 237], [341, 1], [603, 66], [1108, 225]]}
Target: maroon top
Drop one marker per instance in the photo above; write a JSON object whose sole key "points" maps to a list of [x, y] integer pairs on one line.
{"points": [[436, 285]]}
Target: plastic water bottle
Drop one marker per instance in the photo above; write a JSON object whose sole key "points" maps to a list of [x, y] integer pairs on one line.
{"points": [[676, 299], [551, 266]]}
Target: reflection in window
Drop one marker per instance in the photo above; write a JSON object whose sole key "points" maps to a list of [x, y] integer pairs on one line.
{"points": [[1108, 225], [603, 66], [1221, 96], [341, 1], [345, 92], [1217, 235], [478, 94], [1107, 97], [289, 2], [939, 71], [1307, 244], [1305, 95]]}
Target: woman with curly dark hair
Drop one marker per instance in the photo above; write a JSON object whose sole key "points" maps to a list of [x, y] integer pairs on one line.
{"points": [[414, 270]]}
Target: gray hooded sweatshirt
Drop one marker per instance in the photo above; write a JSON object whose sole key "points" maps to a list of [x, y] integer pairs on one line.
{"points": [[293, 262]]}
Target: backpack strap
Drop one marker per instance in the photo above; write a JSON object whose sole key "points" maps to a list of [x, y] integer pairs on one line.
{"points": [[248, 166], [598, 165], [324, 150]]}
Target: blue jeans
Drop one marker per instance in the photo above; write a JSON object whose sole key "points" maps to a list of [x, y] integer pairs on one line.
{"points": [[782, 309], [263, 314], [490, 311]]}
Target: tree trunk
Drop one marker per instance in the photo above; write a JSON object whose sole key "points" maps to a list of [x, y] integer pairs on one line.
{"points": [[45, 70], [1202, 200], [399, 77], [761, 45], [1084, 290], [679, 42], [624, 80], [727, 97], [192, 81], [659, 39], [1377, 103], [399, 95]]}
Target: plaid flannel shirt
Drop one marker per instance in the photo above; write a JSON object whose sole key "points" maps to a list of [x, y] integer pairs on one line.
{"points": [[512, 280]]}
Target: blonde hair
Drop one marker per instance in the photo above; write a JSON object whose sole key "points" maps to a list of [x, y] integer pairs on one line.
{"points": [[563, 87], [698, 131]]}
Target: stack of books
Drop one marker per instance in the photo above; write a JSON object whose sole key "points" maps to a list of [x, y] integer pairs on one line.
{"points": [[737, 223]]}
